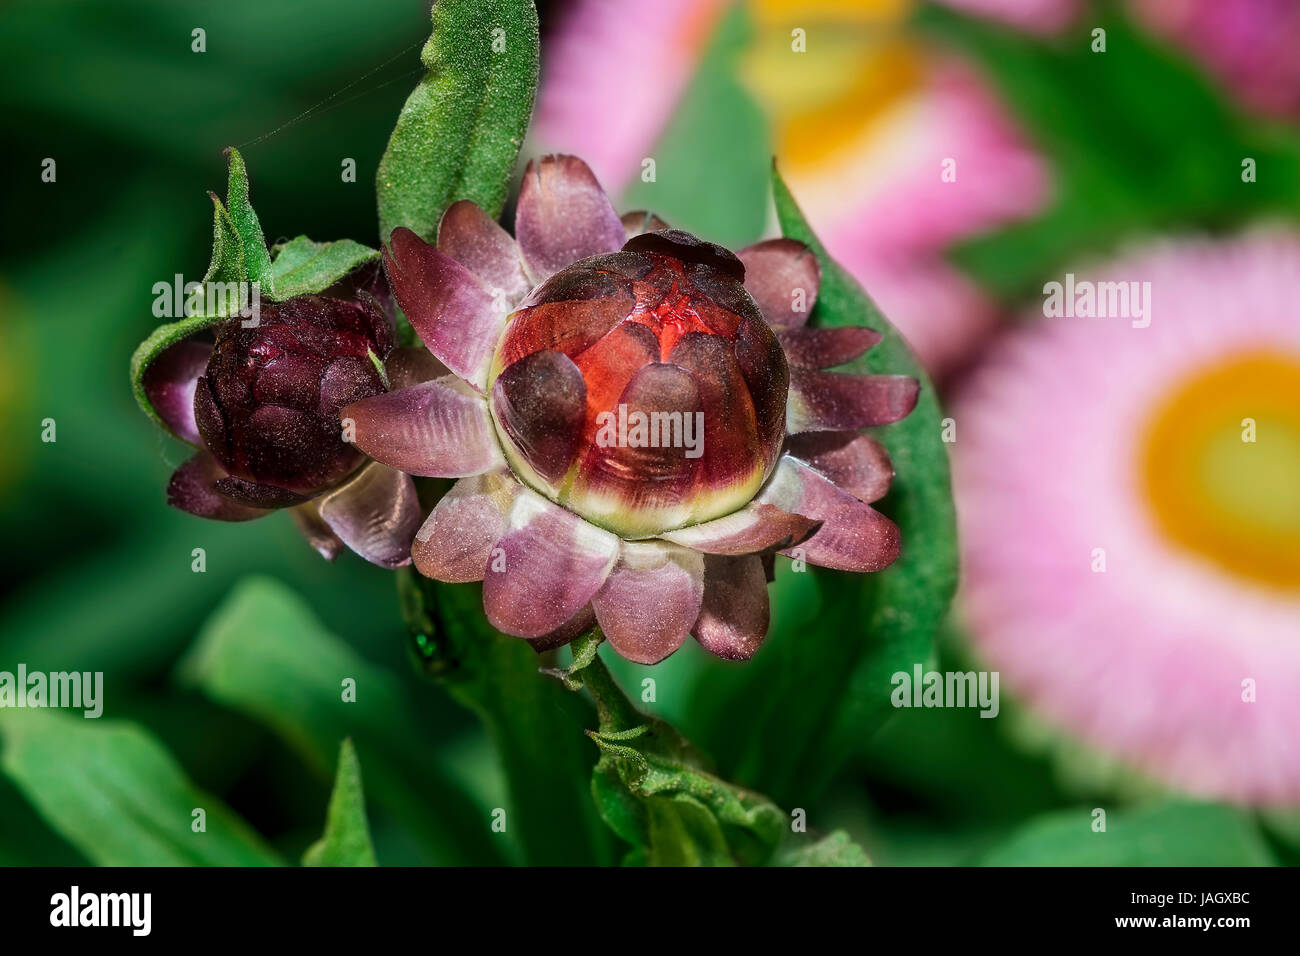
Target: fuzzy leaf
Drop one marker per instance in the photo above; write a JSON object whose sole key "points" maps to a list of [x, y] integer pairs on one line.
{"points": [[347, 835], [257, 260], [838, 849], [460, 131], [112, 791], [304, 267]]}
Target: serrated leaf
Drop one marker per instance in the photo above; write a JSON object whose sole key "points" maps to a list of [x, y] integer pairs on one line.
{"points": [[1170, 834], [264, 654], [112, 791], [461, 129], [347, 834], [304, 267]]}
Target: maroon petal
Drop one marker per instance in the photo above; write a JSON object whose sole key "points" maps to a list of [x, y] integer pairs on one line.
{"points": [[566, 632], [376, 514], [836, 401], [475, 240], [824, 348], [258, 494], [734, 614], [549, 565], [782, 275], [453, 313], [650, 600], [563, 216], [635, 223], [411, 365], [857, 463], [438, 429], [541, 402], [193, 488], [731, 438], [317, 533], [853, 536], [755, 527], [456, 541], [169, 383]]}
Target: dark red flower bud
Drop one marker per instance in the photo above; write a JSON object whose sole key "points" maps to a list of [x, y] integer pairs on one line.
{"points": [[268, 403]]}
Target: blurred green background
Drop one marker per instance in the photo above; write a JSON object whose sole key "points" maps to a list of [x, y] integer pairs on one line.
{"points": [[97, 570]]}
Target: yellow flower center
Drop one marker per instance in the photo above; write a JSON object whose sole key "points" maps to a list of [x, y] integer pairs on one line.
{"points": [[1221, 466]]}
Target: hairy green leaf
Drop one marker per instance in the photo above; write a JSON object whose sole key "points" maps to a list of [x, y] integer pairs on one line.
{"points": [[461, 129], [347, 835], [257, 260], [304, 267], [838, 849], [112, 791]]}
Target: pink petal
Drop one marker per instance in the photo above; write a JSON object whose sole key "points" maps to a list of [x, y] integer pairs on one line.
{"points": [[316, 532], [783, 276], [376, 514], [438, 429], [836, 401], [475, 240], [650, 600], [551, 564], [857, 463], [853, 536], [456, 541], [824, 348], [563, 216], [169, 384], [734, 614], [583, 621], [451, 311], [541, 403], [193, 488], [755, 527]]}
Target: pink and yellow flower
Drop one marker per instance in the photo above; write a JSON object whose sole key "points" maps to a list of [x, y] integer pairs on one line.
{"points": [[1129, 502]]}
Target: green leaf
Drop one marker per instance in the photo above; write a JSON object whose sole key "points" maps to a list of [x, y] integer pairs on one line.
{"points": [[257, 260], [838, 849], [1171, 834], [725, 197], [347, 835], [266, 655], [535, 725], [658, 792], [304, 267], [461, 129], [112, 791], [810, 703]]}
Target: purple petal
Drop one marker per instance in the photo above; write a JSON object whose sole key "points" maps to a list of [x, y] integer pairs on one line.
{"points": [[193, 488], [755, 527], [734, 614], [456, 541], [857, 463], [566, 632], [376, 514], [549, 565], [635, 223], [258, 494], [782, 275], [438, 429], [563, 216], [317, 533], [475, 240], [853, 536], [837, 401], [169, 383], [650, 600], [541, 403], [824, 348], [453, 313]]}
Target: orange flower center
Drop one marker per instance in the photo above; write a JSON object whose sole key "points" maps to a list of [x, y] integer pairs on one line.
{"points": [[1220, 466]]}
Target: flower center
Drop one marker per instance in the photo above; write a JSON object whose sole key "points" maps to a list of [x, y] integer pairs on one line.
{"points": [[1220, 467]]}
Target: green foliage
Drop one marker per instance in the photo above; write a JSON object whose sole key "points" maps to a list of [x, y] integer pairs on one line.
{"points": [[1170, 834], [459, 133], [838, 849], [347, 835], [304, 267], [112, 791], [266, 655]]}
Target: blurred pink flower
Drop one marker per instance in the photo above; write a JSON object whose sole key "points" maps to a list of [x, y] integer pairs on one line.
{"points": [[1131, 547], [863, 124], [1253, 46], [1032, 16]]}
